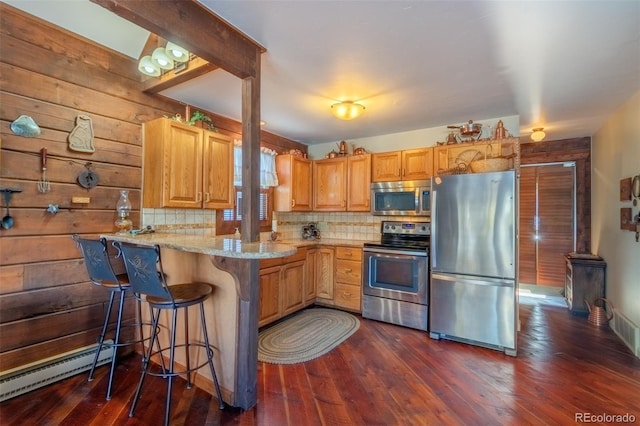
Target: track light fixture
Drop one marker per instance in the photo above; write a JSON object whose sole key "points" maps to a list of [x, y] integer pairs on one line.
{"points": [[162, 58]]}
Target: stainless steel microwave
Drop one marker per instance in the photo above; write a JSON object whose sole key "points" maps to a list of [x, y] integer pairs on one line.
{"points": [[404, 198]]}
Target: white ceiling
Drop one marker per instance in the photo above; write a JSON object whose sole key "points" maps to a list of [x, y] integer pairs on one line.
{"points": [[561, 65]]}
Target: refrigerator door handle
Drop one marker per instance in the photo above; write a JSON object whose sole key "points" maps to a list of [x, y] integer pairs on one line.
{"points": [[494, 282], [434, 229]]}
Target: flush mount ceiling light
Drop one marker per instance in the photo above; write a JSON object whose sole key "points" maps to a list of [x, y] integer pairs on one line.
{"points": [[537, 134], [347, 110], [147, 67]]}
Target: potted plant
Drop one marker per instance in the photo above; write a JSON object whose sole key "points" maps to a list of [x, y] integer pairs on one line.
{"points": [[199, 119]]}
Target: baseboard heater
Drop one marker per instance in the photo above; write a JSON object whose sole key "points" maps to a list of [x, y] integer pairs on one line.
{"points": [[627, 331], [32, 376]]}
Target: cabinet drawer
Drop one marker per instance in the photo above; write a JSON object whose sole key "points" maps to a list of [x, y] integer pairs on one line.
{"points": [[349, 253], [268, 263], [349, 272], [347, 296]]}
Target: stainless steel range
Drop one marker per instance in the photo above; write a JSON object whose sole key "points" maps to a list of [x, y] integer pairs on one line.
{"points": [[396, 275]]}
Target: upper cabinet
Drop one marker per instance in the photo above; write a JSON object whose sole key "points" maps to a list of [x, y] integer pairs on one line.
{"points": [[342, 184], [293, 193], [477, 157], [359, 183], [412, 164], [186, 167], [330, 180]]}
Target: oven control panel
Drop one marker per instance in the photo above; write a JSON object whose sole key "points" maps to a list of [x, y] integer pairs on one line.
{"points": [[411, 228]]}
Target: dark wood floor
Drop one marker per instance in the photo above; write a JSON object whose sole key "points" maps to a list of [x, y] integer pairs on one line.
{"points": [[386, 375]]}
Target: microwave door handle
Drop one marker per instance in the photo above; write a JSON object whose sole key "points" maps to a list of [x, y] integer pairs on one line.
{"points": [[434, 229]]}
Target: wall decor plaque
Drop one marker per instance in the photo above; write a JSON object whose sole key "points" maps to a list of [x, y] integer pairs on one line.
{"points": [[625, 219], [81, 137], [625, 189]]}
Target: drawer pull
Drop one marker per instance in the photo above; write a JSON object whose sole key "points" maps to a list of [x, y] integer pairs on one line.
{"points": [[347, 294], [348, 270]]}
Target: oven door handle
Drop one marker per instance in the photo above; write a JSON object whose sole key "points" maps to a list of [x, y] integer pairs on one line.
{"points": [[396, 252]]}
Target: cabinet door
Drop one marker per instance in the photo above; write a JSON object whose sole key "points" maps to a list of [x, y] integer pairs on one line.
{"points": [[324, 275], [301, 185], [359, 183], [218, 171], [310, 276], [269, 309], [293, 192], [292, 288], [386, 166], [330, 190], [417, 164]]}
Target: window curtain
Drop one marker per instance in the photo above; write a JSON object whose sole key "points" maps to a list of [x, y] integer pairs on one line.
{"points": [[268, 176]]}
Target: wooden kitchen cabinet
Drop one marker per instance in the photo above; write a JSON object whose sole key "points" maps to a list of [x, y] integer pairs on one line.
{"points": [[330, 184], [293, 193], [282, 286], [324, 275], [186, 167], [359, 183], [348, 278], [412, 164], [311, 276], [293, 279], [269, 308], [342, 184], [585, 281], [448, 157]]}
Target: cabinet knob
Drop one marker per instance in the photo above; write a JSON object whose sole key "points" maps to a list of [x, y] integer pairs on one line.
{"points": [[199, 197], [206, 197], [293, 203]]}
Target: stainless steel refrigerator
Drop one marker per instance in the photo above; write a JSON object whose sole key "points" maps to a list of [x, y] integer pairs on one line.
{"points": [[473, 287]]}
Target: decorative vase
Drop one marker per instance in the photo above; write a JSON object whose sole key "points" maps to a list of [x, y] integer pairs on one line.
{"points": [[123, 207]]}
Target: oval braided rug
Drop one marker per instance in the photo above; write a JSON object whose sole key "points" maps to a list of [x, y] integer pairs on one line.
{"points": [[305, 336]]}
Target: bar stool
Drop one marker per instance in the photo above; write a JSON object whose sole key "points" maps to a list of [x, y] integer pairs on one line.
{"points": [[100, 270], [147, 278]]}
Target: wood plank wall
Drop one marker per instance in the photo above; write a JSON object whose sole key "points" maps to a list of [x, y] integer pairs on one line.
{"points": [[47, 305], [578, 150]]}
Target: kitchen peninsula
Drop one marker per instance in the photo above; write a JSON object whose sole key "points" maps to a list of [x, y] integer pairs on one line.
{"points": [[227, 264]]}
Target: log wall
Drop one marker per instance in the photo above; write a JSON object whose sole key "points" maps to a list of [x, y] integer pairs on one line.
{"points": [[47, 305]]}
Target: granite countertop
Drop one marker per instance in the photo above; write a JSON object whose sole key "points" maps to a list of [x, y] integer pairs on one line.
{"points": [[213, 246]]}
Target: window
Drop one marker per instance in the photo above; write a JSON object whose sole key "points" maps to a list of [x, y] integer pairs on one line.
{"points": [[227, 220]]}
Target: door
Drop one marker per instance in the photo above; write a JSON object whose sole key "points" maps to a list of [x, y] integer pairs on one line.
{"points": [[358, 183], [547, 222], [330, 184]]}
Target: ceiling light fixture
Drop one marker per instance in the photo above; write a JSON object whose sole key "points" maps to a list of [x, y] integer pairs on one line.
{"points": [[177, 53], [147, 67], [347, 110], [163, 58], [538, 134]]}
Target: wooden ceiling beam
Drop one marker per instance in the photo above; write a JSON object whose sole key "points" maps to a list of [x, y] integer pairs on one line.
{"points": [[194, 27]]}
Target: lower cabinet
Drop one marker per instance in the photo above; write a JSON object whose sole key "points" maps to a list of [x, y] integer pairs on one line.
{"points": [[348, 279], [282, 286], [324, 276], [330, 276]]}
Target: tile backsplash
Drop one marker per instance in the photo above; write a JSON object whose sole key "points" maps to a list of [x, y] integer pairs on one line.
{"points": [[356, 226], [183, 221]]}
